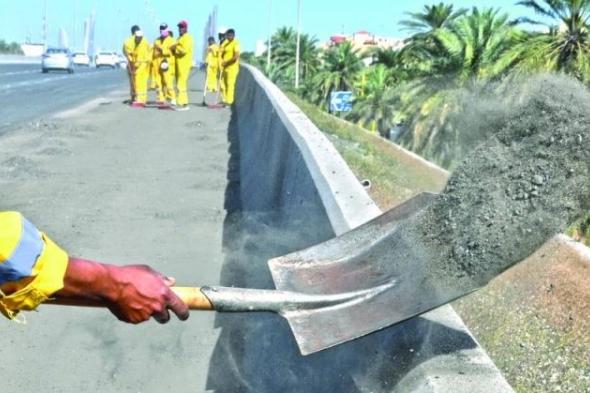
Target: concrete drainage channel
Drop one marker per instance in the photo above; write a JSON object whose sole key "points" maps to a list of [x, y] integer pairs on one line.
{"points": [[289, 189]]}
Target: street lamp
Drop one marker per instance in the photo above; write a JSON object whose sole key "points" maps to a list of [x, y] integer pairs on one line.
{"points": [[269, 42], [297, 55]]}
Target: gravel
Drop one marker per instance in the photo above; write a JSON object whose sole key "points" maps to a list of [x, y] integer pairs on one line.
{"points": [[521, 186]]}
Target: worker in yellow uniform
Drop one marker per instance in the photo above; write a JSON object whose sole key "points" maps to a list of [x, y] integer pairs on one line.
{"points": [[33, 269], [183, 52], [230, 55], [212, 62], [142, 56], [128, 46], [165, 62], [222, 42]]}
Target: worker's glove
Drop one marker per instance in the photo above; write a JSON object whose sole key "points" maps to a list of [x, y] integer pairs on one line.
{"points": [[139, 292]]}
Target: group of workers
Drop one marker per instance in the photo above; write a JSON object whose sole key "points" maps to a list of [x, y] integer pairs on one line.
{"points": [[168, 62]]}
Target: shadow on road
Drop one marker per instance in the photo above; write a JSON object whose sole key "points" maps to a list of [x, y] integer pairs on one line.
{"points": [[257, 352]]}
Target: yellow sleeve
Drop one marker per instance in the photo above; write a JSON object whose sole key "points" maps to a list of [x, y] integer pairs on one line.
{"points": [[29, 260], [128, 48], [166, 51], [185, 45]]}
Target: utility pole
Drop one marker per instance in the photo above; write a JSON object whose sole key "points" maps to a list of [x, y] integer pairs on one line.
{"points": [[45, 23], [269, 43], [297, 54], [74, 43]]}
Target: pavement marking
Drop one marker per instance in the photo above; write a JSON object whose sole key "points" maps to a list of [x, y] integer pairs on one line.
{"points": [[19, 72], [45, 80], [88, 105]]}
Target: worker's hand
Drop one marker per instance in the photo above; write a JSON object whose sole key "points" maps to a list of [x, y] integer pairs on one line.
{"points": [[134, 293], [141, 293]]}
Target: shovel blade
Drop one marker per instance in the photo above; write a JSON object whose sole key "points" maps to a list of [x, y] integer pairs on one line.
{"points": [[377, 254]]}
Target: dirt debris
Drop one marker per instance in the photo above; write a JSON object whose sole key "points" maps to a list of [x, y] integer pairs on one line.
{"points": [[524, 184]]}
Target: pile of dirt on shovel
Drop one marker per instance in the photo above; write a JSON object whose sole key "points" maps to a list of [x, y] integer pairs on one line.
{"points": [[524, 184]]}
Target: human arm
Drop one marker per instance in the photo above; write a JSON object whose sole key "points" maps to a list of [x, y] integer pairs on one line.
{"points": [[33, 269], [235, 55], [134, 293]]}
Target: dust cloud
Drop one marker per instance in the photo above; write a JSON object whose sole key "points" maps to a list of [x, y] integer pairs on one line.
{"points": [[526, 182]]}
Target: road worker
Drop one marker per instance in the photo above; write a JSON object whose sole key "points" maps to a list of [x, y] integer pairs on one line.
{"points": [[212, 63], [33, 268], [230, 63], [165, 62], [128, 46], [183, 52], [221, 36], [142, 55]]}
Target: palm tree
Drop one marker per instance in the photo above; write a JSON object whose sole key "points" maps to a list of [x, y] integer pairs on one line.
{"points": [[284, 46], [309, 60], [373, 108], [475, 43], [432, 17], [340, 65], [564, 47], [466, 56], [422, 50]]}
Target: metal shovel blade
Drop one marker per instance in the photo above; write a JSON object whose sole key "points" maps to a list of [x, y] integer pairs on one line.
{"points": [[378, 262]]}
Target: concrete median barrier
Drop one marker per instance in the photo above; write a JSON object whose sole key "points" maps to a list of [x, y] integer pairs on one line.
{"points": [[289, 188]]}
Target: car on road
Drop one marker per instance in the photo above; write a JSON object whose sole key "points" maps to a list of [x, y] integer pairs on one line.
{"points": [[81, 59], [122, 61], [57, 59], [106, 59]]}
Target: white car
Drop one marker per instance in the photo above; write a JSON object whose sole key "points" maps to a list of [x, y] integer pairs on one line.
{"points": [[57, 59], [81, 59], [122, 61], [106, 59]]}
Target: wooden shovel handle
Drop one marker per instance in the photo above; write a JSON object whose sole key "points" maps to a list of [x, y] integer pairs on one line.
{"points": [[192, 296]]}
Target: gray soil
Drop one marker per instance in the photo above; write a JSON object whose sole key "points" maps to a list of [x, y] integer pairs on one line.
{"points": [[524, 184]]}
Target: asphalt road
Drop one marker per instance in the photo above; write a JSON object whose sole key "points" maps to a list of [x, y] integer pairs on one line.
{"points": [[26, 94], [120, 185]]}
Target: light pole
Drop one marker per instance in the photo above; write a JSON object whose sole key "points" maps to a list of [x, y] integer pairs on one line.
{"points": [[269, 42], [297, 54]]}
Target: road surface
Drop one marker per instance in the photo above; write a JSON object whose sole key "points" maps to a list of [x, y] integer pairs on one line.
{"points": [[27, 94], [121, 185]]}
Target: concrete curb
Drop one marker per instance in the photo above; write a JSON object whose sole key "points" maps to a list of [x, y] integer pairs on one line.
{"points": [[347, 205], [460, 369]]}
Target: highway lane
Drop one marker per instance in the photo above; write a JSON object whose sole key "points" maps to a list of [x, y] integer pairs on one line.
{"points": [[27, 94]]}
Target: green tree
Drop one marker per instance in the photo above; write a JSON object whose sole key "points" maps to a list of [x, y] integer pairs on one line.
{"points": [[474, 44], [373, 108], [467, 52], [10, 48], [432, 17], [284, 46], [340, 66], [564, 47], [309, 60], [422, 52]]}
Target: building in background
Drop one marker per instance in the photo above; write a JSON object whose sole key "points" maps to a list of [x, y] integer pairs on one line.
{"points": [[364, 40], [63, 41], [210, 30]]}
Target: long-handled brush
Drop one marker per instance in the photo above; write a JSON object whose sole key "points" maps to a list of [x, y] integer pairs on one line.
{"points": [[217, 104]]}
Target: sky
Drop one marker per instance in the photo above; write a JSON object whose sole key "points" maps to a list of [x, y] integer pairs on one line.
{"points": [[251, 19]]}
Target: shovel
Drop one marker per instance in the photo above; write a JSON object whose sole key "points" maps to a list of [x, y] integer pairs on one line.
{"points": [[339, 290]]}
